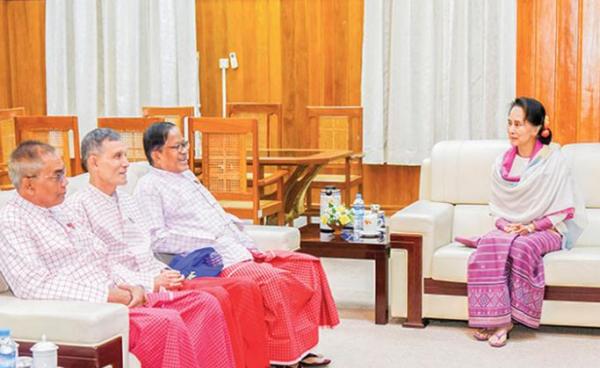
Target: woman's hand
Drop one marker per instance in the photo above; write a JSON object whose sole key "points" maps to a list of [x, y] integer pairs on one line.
{"points": [[519, 229], [169, 279]]}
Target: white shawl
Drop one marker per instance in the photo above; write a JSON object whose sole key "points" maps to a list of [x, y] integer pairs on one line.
{"points": [[546, 187]]}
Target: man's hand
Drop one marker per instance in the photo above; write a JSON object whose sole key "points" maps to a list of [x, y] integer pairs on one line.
{"points": [[169, 279], [257, 254], [119, 296], [138, 295]]}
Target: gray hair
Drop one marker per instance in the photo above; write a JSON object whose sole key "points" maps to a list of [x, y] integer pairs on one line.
{"points": [[26, 160], [92, 143]]}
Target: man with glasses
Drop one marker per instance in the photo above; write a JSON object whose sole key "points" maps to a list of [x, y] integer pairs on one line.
{"points": [[114, 217], [47, 254], [184, 217]]}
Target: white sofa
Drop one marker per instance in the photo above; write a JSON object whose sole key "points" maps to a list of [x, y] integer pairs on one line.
{"points": [[92, 324], [454, 192]]}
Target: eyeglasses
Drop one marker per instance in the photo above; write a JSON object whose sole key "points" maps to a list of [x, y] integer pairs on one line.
{"points": [[181, 147], [58, 177]]}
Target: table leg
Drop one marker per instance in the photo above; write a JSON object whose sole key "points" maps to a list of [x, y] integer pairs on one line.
{"points": [[381, 288]]}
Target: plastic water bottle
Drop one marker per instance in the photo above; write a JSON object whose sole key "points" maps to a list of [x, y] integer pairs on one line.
{"points": [[8, 350], [359, 213]]}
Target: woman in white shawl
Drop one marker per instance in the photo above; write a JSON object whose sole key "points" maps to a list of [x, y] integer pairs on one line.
{"points": [[538, 211]]}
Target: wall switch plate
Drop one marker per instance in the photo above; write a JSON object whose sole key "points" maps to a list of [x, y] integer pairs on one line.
{"points": [[233, 61]]}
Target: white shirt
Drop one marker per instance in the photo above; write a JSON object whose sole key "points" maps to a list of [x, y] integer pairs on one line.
{"points": [[119, 223], [46, 255], [184, 216]]}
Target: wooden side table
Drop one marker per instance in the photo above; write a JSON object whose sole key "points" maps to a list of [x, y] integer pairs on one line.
{"points": [[377, 250]]}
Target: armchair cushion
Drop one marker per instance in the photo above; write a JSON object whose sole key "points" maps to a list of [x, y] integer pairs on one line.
{"points": [[66, 322], [274, 237], [471, 220], [460, 170], [584, 159], [450, 263], [575, 267]]}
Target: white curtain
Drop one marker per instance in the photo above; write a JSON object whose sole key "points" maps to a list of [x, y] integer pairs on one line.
{"points": [[435, 70], [111, 57]]}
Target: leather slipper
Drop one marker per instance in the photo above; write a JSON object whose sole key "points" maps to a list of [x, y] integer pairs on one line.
{"points": [[314, 360]]}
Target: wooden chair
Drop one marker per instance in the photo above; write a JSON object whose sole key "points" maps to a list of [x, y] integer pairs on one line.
{"points": [[173, 114], [132, 133], [7, 142], [12, 112], [270, 129], [336, 127], [53, 130], [225, 165], [269, 117]]}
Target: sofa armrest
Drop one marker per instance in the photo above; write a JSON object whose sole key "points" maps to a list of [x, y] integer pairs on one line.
{"points": [[65, 322], [274, 237], [433, 220]]}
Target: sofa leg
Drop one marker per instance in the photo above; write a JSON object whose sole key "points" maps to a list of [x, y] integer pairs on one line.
{"points": [[417, 323]]}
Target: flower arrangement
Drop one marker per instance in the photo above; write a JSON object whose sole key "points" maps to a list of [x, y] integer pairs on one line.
{"points": [[337, 216]]}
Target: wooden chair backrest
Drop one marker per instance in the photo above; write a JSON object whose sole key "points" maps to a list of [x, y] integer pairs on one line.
{"points": [[53, 130], [335, 127], [132, 133], [269, 118], [12, 112], [173, 114], [8, 141], [224, 157]]}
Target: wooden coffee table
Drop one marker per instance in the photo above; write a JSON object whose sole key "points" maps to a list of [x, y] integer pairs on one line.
{"points": [[365, 248], [379, 251]]}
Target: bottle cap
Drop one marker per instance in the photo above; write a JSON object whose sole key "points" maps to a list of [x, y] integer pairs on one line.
{"points": [[44, 346], [4, 332]]}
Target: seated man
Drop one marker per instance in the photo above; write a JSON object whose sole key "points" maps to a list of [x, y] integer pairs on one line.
{"points": [[185, 216], [47, 255], [113, 216]]}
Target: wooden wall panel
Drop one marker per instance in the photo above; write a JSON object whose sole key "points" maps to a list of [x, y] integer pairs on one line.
{"points": [[22, 55], [394, 187], [252, 30], [588, 119], [5, 93], [558, 62]]}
